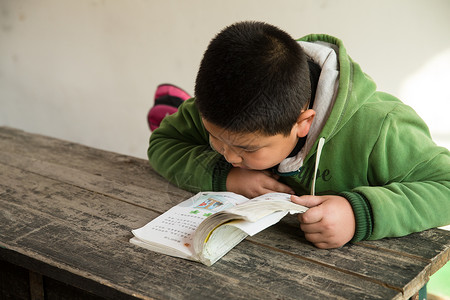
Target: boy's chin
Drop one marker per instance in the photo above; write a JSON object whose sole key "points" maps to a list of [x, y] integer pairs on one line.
{"points": [[249, 168], [240, 166]]}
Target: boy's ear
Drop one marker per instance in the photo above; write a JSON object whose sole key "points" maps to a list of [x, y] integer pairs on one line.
{"points": [[304, 122]]}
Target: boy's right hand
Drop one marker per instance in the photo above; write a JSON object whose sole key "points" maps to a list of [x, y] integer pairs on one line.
{"points": [[253, 183]]}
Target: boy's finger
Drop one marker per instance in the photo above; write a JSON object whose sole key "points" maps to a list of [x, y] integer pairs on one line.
{"points": [[311, 216], [307, 200], [278, 190], [271, 174], [314, 237], [310, 228], [285, 189], [279, 187]]}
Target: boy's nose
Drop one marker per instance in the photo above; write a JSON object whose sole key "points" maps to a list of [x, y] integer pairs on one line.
{"points": [[231, 156]]}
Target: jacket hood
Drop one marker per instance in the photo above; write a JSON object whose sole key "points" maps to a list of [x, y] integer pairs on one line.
{"points": [[342, 89], [355, 87]]}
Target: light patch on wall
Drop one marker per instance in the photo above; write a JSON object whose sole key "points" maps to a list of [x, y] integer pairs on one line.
{"points": [[428, 92]]}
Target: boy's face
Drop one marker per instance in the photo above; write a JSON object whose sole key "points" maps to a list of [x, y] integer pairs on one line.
{"points": [[253, 151]]}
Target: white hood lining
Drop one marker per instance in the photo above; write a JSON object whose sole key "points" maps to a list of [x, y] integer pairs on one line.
{"points": [[325, 55]]}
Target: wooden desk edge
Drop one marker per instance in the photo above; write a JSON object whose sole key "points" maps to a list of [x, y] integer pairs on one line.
{"points": [[39, 265]]}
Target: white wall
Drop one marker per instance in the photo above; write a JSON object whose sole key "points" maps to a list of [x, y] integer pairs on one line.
{"points": [[86, 70]]}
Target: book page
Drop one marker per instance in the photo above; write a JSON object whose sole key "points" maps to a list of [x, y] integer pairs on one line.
{"points": [[264, 205], [174, 228], [264, 211], [252, 228]]}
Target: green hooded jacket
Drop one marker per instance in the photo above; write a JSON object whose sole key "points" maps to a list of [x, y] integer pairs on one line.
{"points": [[377, 153]]}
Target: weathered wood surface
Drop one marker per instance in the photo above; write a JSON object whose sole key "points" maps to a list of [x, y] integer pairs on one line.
{"points": [[66, 212]]}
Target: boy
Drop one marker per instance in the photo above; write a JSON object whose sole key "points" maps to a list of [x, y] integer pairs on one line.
{"points": [[272, 114]]}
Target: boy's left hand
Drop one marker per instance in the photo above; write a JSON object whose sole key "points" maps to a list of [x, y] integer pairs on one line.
{"points": [[329, 222]]}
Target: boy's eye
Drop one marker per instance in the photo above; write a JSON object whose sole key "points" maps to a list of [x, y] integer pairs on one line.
{"points": [[213, 139], [250, 150], [212, 142]]}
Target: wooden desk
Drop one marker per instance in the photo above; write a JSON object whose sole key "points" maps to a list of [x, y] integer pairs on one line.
{"points": [[66, 212]]}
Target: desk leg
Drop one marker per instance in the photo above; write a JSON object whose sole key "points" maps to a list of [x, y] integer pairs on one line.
{"points": [[36, 286], [421, 295]]}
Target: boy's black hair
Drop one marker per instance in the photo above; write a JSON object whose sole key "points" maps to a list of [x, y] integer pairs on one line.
{"points": [[253, 77]]}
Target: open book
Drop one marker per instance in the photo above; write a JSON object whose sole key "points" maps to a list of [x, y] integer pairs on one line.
{"points": [[208, 225]]}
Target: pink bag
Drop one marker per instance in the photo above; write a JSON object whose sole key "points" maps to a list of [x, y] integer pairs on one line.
{"points": [[168, 98]]}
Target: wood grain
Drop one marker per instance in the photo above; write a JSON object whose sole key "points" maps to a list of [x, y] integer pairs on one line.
{"points": [[88, 235], [67, 210]]}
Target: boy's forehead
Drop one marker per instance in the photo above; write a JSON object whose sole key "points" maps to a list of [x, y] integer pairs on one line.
{"points": [[246, 138]]}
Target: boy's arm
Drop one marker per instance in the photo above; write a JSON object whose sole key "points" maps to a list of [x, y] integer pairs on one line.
{"points": [[409, 189], [412, 175], [179, 150], [410, 180]]}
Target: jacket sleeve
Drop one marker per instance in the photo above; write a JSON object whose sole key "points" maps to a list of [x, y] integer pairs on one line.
{"points": [[410, 178], [179, 150]]}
